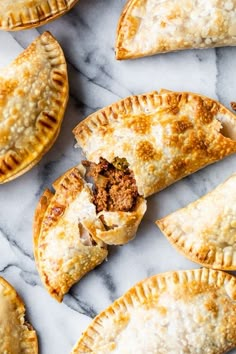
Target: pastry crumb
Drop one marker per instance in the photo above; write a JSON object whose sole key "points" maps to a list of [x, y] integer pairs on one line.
{"points": [[233, 105]]}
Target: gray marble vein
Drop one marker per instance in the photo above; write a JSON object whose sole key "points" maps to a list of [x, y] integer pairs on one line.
{"points": [[87, 35]]}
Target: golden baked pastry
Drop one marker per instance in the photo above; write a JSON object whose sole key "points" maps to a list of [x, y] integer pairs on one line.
{"points": [[190, 312], [69, 232], [16, 335], [22, 14], [205, 230], [162, 137], [33, 98], [148, 27]]}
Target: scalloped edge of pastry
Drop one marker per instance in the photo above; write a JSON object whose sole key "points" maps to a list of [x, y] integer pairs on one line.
{"points": [[195, 300], [25, 333], [206, 127], [67, 220], [31, 15], [169, 35], [204, 230], [17, 161]]}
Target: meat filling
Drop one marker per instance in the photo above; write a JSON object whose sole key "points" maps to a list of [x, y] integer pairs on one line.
{"points": [[115, 185]]}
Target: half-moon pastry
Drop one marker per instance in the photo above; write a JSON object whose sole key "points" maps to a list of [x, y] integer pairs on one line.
{"points": [[148, 27], [16, 335], [161, 137], [190, 312], [70, 234], [33, 98], [205, 230], [22, 14]]}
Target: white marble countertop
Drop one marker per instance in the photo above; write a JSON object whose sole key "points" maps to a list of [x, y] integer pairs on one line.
{"points": [[96, 79]]}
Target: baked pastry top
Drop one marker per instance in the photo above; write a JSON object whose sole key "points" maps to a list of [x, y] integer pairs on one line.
{"points": [[22, 14], [147, 27], [205, 230], [70, 236], [33, 98], [172, 313], [16, 336], [163, 136]]}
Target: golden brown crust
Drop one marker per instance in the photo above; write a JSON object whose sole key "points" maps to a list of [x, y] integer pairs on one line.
{"points": [[121, 227], [204, 231], [187, 304], [70, 237], [17, 15], [148, 27], [61, 252], [35, 83], [16, 335], [173, 134], [38, 219]]}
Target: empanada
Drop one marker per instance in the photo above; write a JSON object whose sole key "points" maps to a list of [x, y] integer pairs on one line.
{"points": [[161, 137], [148, 27], [33, 98], [190, 312], [16, 335], [205, 230], [23, 14], [70, 234]]}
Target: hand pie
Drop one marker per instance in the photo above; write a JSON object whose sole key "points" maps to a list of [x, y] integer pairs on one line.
{"points": [[161, 137], [16, 335], [148, 27], [33, 98], [23, 14], [205, 231], [69, 232], [172, 313]]}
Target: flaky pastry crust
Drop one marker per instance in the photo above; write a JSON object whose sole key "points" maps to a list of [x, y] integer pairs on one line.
{"points": [[70, 237], [205, 230], [163, 136], [148, 27], [63, 250], [177, 312], [33, 98], [22, 14], [16, 336]]}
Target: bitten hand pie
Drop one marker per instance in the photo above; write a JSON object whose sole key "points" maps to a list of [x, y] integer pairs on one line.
{"points": [[23, 14], [33, 98], [16, 335], [205, 230], [190, 312], [70, 233], [161, 137], [148, 27]]}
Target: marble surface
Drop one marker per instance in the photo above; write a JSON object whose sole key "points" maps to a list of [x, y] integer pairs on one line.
{"points": [[87, 36]]}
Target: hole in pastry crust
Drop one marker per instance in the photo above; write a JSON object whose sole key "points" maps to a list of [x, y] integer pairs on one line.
{"points": [[114, 185], [107, 227], [228, 127], [85, 237]]}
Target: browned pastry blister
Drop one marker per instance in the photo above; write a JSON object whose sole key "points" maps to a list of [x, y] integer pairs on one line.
{"points": [[178, 312], [22, 14], [33, 99], [148, 27], [16, 335]]}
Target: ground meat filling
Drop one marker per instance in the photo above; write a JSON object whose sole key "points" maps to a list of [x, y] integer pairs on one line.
{"points": [[115, 187]]}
